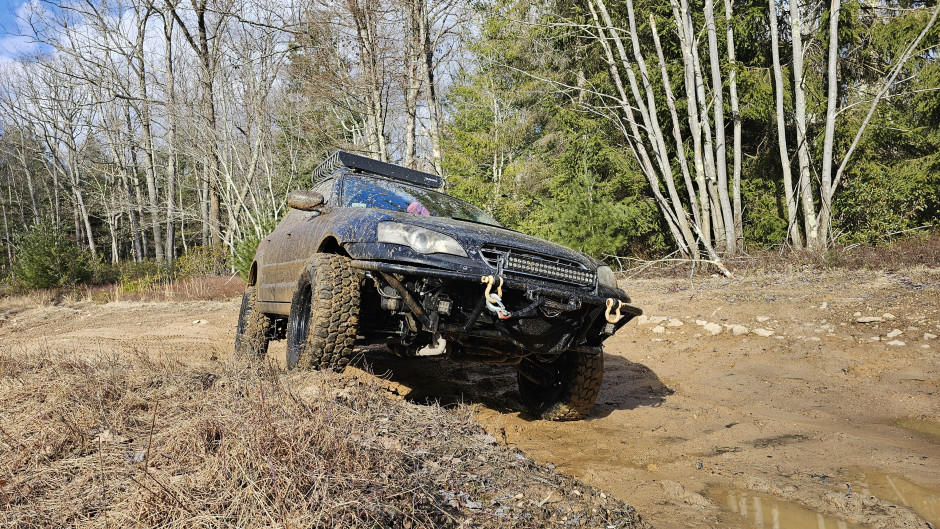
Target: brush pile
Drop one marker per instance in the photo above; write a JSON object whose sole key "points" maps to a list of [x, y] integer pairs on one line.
{"points": [[142, 443]]}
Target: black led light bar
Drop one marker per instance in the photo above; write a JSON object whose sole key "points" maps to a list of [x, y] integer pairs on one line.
{"points": [[368, 165], [535, 265]]}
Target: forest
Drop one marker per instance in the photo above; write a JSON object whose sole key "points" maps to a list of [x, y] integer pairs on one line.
{"points": [[137, 131]]}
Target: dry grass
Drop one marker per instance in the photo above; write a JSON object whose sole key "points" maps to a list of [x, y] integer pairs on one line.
{"points": [[200, 288], [109, 443], [922, 250]]}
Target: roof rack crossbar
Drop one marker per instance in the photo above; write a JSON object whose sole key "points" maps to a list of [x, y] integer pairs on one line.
{"points": [[361, 163]]}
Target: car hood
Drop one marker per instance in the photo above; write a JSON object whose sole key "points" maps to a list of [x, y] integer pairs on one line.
{"points": [[473, 235]]}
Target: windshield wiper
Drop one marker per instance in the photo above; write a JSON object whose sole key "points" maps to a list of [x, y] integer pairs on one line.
{"points": [[475, 221]]}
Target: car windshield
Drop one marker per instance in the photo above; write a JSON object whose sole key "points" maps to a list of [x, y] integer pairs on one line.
{"points": [[384, 194]]}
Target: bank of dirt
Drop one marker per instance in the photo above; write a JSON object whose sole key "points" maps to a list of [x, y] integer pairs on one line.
{"points": [[733, 403]]}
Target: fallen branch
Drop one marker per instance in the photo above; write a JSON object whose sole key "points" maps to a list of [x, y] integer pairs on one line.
{"points": [[924, 227], [646, 264]]}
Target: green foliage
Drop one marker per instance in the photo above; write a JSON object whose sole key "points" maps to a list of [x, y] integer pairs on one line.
{"points": [[527, 145], [535, 159], [880, 201], [140, 276], [587, 219], [765, 218], [45, 258], [244, 253], [200, 261]]}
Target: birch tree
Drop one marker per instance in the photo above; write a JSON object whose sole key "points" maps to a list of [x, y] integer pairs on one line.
{"points": [[706, 217], [817, 198]]}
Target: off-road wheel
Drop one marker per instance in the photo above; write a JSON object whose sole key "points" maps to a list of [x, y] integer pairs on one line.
{"points": [[562, 390], [254, 329], [324, 315]]}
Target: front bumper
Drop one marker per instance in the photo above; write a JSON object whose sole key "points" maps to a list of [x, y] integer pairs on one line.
{"points": [[546, 318], [535, 287]]}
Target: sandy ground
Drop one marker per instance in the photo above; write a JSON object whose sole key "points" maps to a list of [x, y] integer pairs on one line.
{"points": [[762, 401]]}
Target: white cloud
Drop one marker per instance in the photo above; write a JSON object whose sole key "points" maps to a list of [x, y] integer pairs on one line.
{"points": [[14, 46], [16, 40]]}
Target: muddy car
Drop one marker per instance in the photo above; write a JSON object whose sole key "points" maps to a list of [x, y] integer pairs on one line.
{"points": [[376, 254]]}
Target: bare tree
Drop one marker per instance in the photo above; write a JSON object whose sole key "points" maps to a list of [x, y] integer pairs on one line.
{"points": [[802, 142], [208, 26], [706, 213]]}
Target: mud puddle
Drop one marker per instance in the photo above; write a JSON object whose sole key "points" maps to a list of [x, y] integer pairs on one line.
{"points": [[763, 511], [922, 500], [925, 429]]}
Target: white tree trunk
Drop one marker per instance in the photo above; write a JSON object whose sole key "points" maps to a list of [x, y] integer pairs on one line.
{"points": [[171, 151], [721, 155], [802, 145], [736, 117], [414, 48], [676, 127], [793, 229], [633, 136], [686, 43], [434, 104]]}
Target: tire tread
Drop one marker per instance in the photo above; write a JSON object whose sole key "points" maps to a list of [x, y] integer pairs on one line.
{"points": [[254, 328], [334, 313]]}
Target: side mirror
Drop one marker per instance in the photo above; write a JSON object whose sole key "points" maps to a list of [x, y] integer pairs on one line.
{"points": [[304, 200]]}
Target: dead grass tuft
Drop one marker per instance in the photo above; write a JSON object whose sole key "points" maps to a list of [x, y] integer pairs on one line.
{"points": [[146, 443]]}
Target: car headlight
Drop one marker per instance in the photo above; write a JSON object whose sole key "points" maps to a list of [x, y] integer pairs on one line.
{"points": [[420, 240], [606, 277]]}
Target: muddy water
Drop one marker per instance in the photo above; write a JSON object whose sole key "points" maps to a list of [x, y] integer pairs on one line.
{"points": [[922, 500], [768, 512], [926, 429]]}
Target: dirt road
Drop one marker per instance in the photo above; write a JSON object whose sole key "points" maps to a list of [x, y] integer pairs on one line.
{"points": [[799, 400]]}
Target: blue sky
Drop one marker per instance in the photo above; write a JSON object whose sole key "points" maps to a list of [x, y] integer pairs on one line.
{"points": [[6, 6], [10, 43]]}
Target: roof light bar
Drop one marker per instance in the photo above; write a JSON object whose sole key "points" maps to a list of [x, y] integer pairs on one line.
{"points": [[368, 165]]}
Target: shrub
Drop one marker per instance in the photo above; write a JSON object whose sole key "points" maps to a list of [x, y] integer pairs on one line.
{"points": [[200, 261], [141, 276], [883, 201], [46, 258], [244, 255]]}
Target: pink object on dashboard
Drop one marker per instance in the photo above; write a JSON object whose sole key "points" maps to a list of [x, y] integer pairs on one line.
{"points": [[415, 208]]}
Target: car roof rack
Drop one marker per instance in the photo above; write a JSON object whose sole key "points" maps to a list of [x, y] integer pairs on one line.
{"points": [[368, 165]]}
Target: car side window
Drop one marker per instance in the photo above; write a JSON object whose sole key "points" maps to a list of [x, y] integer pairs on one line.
{"points": [[325, 188]]}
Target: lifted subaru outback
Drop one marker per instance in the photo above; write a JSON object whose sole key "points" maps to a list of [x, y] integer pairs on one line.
{"points": [[374, 254]]}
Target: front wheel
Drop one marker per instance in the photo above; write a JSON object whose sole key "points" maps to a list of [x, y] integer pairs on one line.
{"points": [[564, 389], [254, 328], [324, 315]]}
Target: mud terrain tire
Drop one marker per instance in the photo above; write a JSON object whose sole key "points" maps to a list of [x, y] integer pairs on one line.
{"points": [[574, 382], [324, 315], [254, 329]]}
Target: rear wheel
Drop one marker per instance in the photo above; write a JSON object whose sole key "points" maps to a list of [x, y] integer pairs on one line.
{"points": [[324, 315], [564, 389], [254, 328]]}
